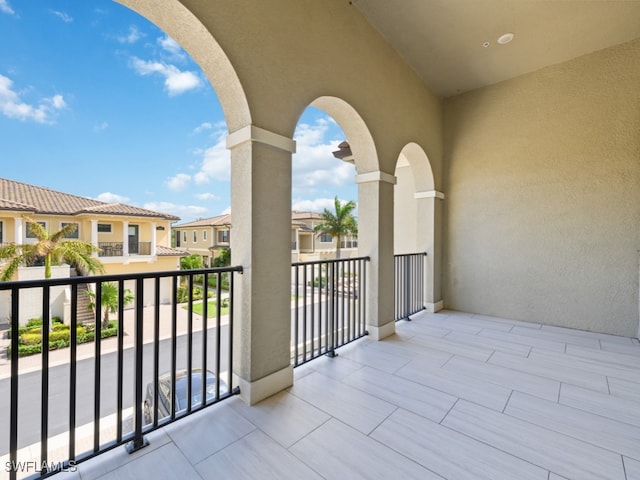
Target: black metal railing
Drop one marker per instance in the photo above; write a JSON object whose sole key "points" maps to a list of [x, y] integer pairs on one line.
{"points": [[139, 248], [110, 249], [171, 355], [329, 306], [408, 284]]}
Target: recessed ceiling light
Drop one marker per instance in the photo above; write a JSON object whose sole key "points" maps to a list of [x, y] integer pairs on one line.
{"points": [[506, 38], [486, 44]]}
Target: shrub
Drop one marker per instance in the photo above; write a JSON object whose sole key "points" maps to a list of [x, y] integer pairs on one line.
{"points": [[318, 282], [34, 322], [31, 343], [183, 294], [224, 284], [30, 339]]}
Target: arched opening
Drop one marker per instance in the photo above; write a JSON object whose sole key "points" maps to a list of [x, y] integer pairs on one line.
{"points": [[375, 213], [319, 176], [131, 239], [417, 208]]}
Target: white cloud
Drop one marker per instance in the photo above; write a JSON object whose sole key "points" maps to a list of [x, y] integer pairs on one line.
{"points": [[5, 7], [100, 127], [168, 44], [57, 102], [216, 162], [178, 182], [132, 37], [226, 211], [176, 81], [202, 127], [314, 164], [65, 17], [109, 197], [186, 211], [12, 106], [207, 196]]}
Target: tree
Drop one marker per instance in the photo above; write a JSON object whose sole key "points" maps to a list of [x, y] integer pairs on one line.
{"points": [[54, 248], [338, 224], [109, 300], [191, 262], [224, 259]]}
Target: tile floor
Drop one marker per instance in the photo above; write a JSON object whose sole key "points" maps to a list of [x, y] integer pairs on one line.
{"points": [[450, 396]]}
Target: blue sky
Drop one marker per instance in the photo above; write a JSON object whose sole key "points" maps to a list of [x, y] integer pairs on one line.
{"points": [[97, 101]]}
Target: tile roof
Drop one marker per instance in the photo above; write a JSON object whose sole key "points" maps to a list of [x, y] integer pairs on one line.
{"points": [[30, 198], [220, 220], [225, 220], [163, 251]]}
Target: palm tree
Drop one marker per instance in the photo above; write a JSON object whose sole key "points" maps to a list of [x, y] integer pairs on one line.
{"points": [[109, 300], [55, 248], [340, 223]]}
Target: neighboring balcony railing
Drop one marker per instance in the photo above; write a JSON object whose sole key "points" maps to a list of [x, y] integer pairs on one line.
{"points": [[110, 249], [169, 352], [139, 248], [329, 306], [115, 249], [408, 284]]}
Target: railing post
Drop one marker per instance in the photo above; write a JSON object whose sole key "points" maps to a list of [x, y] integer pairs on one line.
{"points": [[139, 441], [331, 330], [13, 419]]}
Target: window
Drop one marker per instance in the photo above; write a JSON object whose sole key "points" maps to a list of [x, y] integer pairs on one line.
{"points": [[184, 236], [31, 235], [1, 234], [204, 235], [326, 238], [75, 233], [104, 228], [195, 236], [223, 236]]}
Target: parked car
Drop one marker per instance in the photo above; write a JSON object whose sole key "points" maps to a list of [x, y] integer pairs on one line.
{"points": [[165, 396]]}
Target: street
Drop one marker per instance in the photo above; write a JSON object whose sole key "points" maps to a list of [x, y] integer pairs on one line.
{"points": [[30, 387]]}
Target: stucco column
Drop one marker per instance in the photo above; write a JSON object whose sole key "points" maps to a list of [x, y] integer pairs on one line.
{"points": [[125, 238], [153, 239], [17, 234], [429, 239], [261, 244], [375, 240], [94, 235]]}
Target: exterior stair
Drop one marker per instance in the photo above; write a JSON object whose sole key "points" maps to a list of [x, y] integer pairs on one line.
{"points": [[85, 312]]}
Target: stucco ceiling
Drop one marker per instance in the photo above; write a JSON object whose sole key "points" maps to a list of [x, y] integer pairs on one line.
{"points": [[443, 39]]}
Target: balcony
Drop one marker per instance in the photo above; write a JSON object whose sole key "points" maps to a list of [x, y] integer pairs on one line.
{"points": [[451, 395]]}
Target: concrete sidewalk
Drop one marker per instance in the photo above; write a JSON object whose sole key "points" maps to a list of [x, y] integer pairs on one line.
{"points": [[33, 363]]}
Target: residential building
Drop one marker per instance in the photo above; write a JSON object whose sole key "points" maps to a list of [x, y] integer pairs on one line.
{"points": [[130, 239], [206, 237]]}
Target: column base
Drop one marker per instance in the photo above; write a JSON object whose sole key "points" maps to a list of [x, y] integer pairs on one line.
{"points": [[434, 307], [256, 391], [378, 333]]}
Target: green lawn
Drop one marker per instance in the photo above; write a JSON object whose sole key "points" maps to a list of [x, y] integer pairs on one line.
{"points": [[211, 308]]}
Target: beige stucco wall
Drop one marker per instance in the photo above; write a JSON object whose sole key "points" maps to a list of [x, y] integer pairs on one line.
{"points": [[543, 195], [405, 232]]}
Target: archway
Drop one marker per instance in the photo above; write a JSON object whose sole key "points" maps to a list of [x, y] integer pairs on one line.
{"points": [[375, 213], [417, 211]]}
